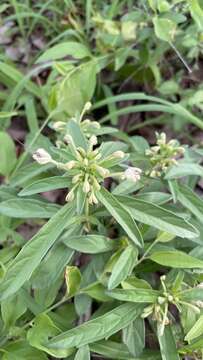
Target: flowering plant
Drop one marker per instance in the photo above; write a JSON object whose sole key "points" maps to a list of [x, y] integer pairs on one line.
{"points": [[83, 283]]}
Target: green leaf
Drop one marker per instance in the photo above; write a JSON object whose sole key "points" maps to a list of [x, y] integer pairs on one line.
{"points": [[191, 201], [73, 279], [69, 48], [114, 350], [28, 172], [12, 309], [134, 337], [158, 217], [197, 13], [164, 237], [184, 169], [74, 130], [194, 294], [28, 208], [164, 28], [96, 291], [7, 154], [77, 88], [176, 259], [47, 184], [196, 331], [33, 252], [167, 345], [134, 295], [52, 266], [89, 244], [111, 349], [123, 267], [83, 353], [43, 329], [21, 350], [94, 330], [5, 114], [121, 215]]}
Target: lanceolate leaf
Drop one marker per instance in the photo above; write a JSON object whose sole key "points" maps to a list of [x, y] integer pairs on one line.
{"points": [[167, 345], [196, 331], [121, 215], [191, 201], [94, 330], [123, 267], [111, 349], [90, 244], [28, 208], [47, 184], [69, 48], [115, 350], [176, 259], [184, 169], [44, 328], [83, 353], [158, 217], [137, 295], [134, 336], [33, 251]]}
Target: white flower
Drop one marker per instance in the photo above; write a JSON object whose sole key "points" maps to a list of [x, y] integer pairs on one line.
{"points": [[42, 156], [133, 173]]}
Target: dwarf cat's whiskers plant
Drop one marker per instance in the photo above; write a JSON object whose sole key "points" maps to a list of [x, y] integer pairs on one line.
{"points": [[127, 215]]}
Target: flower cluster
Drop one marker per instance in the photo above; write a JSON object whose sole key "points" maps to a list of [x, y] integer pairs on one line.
{"points": [[89, 168], [163, 155], [160, 309]]}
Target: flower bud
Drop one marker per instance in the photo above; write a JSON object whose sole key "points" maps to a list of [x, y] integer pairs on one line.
{"points": [[86, 122], [133, 174], [59, 144], [70, 165], [118, 154], [199, 304], [76, 178], [87, 106], [181, 150], [93, 199], [86, 187], [68, 139], [95, 124], [161, 138], [96, 184], [93, 140], [170, 298], [58, 125], [161, 300], [102, 171], [85, 161], [70, 196], [42, 156]]}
